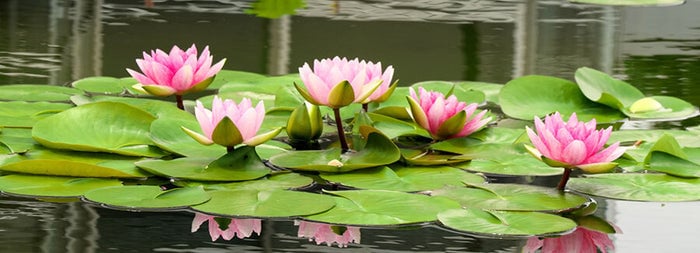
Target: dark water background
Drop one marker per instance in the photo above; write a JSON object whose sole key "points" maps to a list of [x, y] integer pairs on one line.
{"points": [[55, 42]]}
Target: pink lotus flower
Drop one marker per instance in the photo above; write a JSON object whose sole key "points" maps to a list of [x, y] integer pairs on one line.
{"points": [[445, 118], [240, 228], [573, 144], [338, 82], [177, 72], [324, 233], [582, 240], [229, 124]]}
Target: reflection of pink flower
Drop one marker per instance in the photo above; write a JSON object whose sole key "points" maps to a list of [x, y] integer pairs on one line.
{"points": [[323, 233], [574, 143], [582, 240], [431, 110], [177, 72], [240, 228]]}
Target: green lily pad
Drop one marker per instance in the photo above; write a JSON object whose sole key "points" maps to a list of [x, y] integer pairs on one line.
{"points": [[99, 127], [167, 133], [264, 203], [467, 96], [144, 197], [48, 186], [157, 108], [520, 165], [104, 84], [604, 89], [226, 77], [241, 164], [640, 187], [393, 127], [631, 2], [381, 208], [42, 161], [378, 151], [281, 180], [673, 108], [512, 197], [490, 90], [673, 165], [406, 179], [530, 96], [26, 114], [16, 140], [33, 93], [430, 157], [505, 223]]}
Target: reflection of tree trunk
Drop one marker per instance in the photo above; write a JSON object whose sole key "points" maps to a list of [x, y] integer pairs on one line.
{"points": [[470, 45], [280, 33], [525, 40], [87, 42], [607, 40], [72, 229]]}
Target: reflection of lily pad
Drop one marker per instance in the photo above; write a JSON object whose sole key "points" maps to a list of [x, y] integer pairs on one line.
{"points": [[48, 186], [268, 203], [408, 179], [143, 197], [241, 164], [375, 207], [530, 96], [505, 223], [642, 187], [512, 197]]}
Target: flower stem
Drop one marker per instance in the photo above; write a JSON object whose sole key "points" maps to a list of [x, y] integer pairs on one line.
{"points": [[564, 178], [365, 107], [230, 149], [180, 104], [341, 131]]}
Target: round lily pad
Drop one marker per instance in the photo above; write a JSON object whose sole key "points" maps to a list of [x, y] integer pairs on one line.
{"points": [[32, 92], [264, 203], [381, 208], [505, 223], [672, 108], [26, 114], [407, 179], [145, 197], [167, 133], [513, 197], [636, 186], [281, 180], [50, 186], [103, 84]]}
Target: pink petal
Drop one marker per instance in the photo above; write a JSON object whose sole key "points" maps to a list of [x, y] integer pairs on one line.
{"points": [[574, 153], [182, 80]]}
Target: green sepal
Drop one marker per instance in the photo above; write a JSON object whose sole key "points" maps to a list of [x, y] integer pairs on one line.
{"points": [[304, 93], [197, 136], [158, 90], [261, 138], [367, 91], [388, 92], [595, 223], [452, 126], [226, 133], [597, 167], [341, 95], [201, 85], [417, 112]]}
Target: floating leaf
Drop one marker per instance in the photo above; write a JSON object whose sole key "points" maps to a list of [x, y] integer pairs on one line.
{"points": [[380, 208], [673, 165], [144, 197], [32, 93], [25, 114], [167, 133], [268, 203], [407, 179], [99, 127], [519, 165], [512, 197], [641, 187], [378, 151], [282, 181], [429, 157], [48, 186], [43, 161], [505, 223], [104, 84], [241, 164], [233, 77], [672, 108], [464, 95], [16, 140], [604, 89], [530, 96]]}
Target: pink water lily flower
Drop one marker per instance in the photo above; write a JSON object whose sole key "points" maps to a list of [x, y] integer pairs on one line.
{"points": [[240, 228], [229, 124], [324, 233], [582, 240], [445, 118], [177, 72], [339, 82], [573, 144]]}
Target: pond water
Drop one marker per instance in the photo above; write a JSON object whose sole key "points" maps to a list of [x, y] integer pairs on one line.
{"points": [[58, 41]]}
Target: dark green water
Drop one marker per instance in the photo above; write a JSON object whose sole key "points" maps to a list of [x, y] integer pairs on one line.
{"points": [[55, 42]]}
